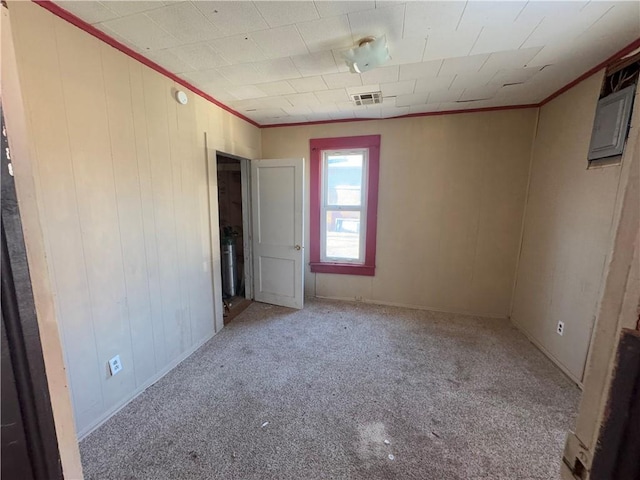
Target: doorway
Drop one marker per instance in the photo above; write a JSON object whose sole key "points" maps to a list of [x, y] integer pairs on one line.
{"points": [[235, 240]]}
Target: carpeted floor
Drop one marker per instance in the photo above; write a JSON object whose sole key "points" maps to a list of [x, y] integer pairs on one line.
{"points": [[314, 394]]}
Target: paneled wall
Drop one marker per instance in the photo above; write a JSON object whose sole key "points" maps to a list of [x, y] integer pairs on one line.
{"points": [[129, 212], [451, 200], [567, 232]]}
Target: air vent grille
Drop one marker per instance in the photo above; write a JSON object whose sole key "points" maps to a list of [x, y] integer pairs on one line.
{"points": [[369, 98]]}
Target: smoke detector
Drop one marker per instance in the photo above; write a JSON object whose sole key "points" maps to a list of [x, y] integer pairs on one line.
{"points": [[368, 98]]}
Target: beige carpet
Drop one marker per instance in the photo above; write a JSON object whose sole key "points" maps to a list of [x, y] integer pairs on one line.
{"points": [[314, 394]]}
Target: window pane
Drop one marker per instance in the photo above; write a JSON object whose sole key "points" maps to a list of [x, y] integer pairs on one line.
{"points": [[344, 179], [343, 235]]}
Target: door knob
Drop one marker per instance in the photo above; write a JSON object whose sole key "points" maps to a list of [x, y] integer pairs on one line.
{"points": [[297, 247]]}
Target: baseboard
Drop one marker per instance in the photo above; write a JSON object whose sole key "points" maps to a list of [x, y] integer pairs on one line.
{"points": [[548, 354], [112, 411], [417, 307]]}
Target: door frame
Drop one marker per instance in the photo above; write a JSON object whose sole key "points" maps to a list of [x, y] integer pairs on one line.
{"points": [[247, 233], [20, 323]]}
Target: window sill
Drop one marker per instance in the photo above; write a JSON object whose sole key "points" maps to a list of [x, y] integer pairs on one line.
{"points": [[343, 268]]}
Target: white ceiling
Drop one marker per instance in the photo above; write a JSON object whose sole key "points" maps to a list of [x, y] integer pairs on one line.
{"points": [[280, 61]]}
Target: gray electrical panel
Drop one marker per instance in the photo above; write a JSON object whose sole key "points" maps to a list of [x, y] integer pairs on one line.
{"points": [[611, 125]]}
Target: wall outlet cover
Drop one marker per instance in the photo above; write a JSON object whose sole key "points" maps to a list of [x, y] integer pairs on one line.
{"points": [[560, 328], [115, 365]]}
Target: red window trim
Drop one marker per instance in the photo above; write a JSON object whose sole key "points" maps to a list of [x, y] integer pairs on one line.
{"points": [[317, 145]]}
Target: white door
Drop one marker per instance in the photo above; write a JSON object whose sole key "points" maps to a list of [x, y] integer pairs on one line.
{"points": [[277, 193]]}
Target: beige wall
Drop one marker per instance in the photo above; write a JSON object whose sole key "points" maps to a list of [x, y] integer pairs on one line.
{"points": [[451, 199], [567, 232], [618, 306], [122, 188], [14, 115]]}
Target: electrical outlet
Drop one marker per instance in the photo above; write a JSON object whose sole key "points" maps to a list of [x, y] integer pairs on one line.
{"points": [[115, 365], [560, 328]]}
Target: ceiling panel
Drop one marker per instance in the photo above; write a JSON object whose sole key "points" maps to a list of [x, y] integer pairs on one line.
{"points": [[406, 50], [479, 93], [514, 75], [341, 64], [509, 59], [340, 115], [202, 77], [412, 99], [327, 108], [381, 75], [413, 71], [394, 112], [302, 99], [124, 8], [185, 22], [492, 39], [238, 49], [445, 95], [246, 91], [406, 87], [424, 108], [621, 20], [312, 64], [434, 83], [326, 33], [173, 62], [490, 14], [363, 89], [284, 61], [278, 13], [141, 31], [331, 9], [447, 44], [277, 69], [387, 21], [425, 18], [241, 74], [263, 103], [276, 88], [280, 42], [562, 28], [90, 12], [298, 110], [462, 65], [199, 56], [535, 12], [337, 80], [308, 84], [233, 17], [367, 113], [333, 96]]}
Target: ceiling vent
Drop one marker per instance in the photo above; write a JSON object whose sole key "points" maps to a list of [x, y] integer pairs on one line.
{"points": [[369, 98]]}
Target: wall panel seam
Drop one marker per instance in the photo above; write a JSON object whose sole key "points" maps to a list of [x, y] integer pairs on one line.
{"points": [[79, 220]]}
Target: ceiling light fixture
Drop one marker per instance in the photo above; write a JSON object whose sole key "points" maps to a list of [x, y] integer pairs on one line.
{"points": [[370, 53]]}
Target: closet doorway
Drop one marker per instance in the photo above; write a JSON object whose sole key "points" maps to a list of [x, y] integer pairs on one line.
{"points": [[235, 237]]}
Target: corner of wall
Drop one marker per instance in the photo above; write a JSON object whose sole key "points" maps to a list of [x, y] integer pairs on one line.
{"points": [[52, 350]]}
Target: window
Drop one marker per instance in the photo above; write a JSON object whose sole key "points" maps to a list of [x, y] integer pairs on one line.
{"points": [[344, 199]]}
